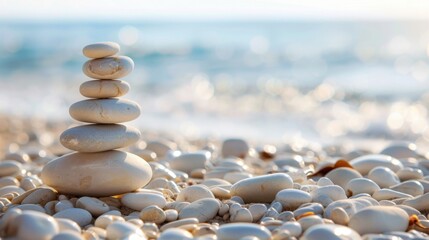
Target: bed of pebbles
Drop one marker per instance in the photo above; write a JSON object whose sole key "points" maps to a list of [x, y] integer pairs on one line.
{"points": [[201, 189]]}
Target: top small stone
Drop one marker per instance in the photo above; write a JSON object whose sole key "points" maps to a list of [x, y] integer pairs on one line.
{"points": [[101, 49]]}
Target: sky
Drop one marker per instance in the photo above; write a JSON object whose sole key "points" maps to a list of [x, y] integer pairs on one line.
{"points": [[73, 10]]}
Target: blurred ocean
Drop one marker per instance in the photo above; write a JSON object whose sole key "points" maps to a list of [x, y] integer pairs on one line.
{"points": [[280, 81]]}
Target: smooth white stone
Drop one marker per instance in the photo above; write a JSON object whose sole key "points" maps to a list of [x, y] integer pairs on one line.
{"points": [[78, 215], [383, 176], [410, 210], [261, 189], [366, 163], [101, 49], [379, 219], [10, 189], [330, 232], [324, 181], [257, 210], [351, 206], [99, 137], [401, 150], [221, 192], [179, 223], [316, 208], [420, 203], [67, 235], [233, 231], [175, 233], [292, 198], [104, 220], [409, 174], [294, 228], [292, 161], [108, 68], [8, 181], [153, 214], [99, 174], [67, 225], [104, 88], [41, 195], [361, 185], [242, 215], [235, 148], [107, 110], [412, 187], [341, 176], [93, 205], [63, 205], [203, 210], [139, 200], [308, 221], [234, 177], [121, 230], [194, 193], [161, 148], [32, 207], [9, 168], [340, 216], [35, 225], [328, 194], [389, 194], [187, 162]]}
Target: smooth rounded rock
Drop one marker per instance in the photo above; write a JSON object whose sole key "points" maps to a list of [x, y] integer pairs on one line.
{"points": [[93, 205], [97, 174], [203, 210], [78, 215], [412, 187], [140, 200], [9, 168], [341, 176], [108, 110], [328, 194], [187, 162], [108, 68], [330, 232], [233, 231], [379, 219], [383, 176], [366, 163], [10, 189], [99, 137], [101, 49], [35, 225], [292, 198], [235, 148], [266, 187], [420, 203], [122, 230], [153, 214], [401, 150], [175, 233], [361, 185], [104, 88], [194, 193], [350, 206]]}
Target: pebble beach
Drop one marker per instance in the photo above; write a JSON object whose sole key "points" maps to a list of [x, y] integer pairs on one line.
{"points": [[102, 178]]}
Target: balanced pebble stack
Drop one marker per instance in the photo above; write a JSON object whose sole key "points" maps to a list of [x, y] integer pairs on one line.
{"points": [[97, 169]]}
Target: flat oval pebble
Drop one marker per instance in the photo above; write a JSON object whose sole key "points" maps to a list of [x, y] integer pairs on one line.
{"points": [[101, 49], [140, 200], [203, 210], [122, 230], [412, 187], [361, 185], [9, 168], [153, 214], [104, 88], [235, 148], [99, 137], [175, 233], [233, 231], [189, 161], [261, 189], [93, 205], [78, 215], [328, 194], [109, 110], [366, 163], [379, 219], [350, 206], [109, 67], [341, 176], [292, 198], [401, 150], [97, 174], [35, 225], [330, 232], [383, 176], [420, 202], [194, 193]]}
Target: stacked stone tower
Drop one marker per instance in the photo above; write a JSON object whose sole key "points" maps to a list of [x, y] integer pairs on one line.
{"points": [[97, 169]]}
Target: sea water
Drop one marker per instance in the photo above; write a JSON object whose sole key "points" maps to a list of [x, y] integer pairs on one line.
{"points": [[279, 81]]}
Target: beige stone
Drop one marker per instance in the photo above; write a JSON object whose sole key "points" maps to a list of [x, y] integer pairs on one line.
{"points": [[104, 88], [99, 137], [109, 67], [101, 49]]}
